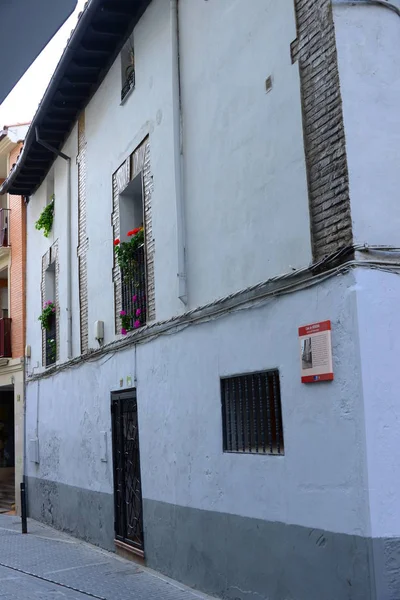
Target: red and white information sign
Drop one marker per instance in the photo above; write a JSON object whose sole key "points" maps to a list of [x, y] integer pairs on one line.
{"points": [[316, 352]]}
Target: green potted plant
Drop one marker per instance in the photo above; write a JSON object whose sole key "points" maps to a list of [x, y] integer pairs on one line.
{"points": [[48, 311], [126, 251], [45, 221]]}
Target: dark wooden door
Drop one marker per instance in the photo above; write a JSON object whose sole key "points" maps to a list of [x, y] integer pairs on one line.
{"points": [[127, 479]]}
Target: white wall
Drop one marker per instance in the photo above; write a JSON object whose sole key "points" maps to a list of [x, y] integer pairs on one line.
{"points": [[379, 327], [4, 298], [244, 169], [245, 176], [368, 42], [321, 480], [113, 132]]}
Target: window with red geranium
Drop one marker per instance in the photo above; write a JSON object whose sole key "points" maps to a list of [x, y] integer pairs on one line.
{"points": [[130, 257]]}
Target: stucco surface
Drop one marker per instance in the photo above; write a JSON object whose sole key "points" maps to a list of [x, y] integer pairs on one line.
{"points": [[368, 45], [244, 162], [379, 326], [318, 483]]}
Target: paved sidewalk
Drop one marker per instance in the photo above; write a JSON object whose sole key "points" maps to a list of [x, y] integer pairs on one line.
{"points": [[47, 564]]}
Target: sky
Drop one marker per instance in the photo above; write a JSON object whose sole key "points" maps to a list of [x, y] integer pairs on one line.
{"points": [[22, 102]]}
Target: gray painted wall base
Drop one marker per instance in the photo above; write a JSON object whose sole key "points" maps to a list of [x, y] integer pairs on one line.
{"points": [[82, 513], [236, 557], [230, 556]]}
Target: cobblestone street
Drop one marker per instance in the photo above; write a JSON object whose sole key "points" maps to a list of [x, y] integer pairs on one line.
{"points": [[51, 565]]}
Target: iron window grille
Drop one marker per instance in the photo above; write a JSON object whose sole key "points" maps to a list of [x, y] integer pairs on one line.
{"points": [[252, 414], [133, 288], [51, 342]]}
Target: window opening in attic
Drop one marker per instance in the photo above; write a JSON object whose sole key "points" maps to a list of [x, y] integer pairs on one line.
{"points": [[127, 68]]}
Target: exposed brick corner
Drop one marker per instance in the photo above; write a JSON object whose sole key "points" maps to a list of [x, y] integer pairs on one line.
{"points": [[83, 242], [324, 134]]}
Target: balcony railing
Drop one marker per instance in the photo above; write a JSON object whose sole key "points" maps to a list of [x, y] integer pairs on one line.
{"points": [[51, 342], [4, 227], [5, 338], [133, 287]]}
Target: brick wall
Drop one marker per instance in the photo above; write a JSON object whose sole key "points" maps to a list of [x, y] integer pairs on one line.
{"points": [[17, 289], [324, 135], [83, 242]]}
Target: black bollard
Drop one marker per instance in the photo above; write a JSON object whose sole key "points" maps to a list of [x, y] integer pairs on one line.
{"points": [[23, 509]]}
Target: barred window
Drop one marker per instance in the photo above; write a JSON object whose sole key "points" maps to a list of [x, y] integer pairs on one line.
{"points": [[251, 413], [127, 68]]}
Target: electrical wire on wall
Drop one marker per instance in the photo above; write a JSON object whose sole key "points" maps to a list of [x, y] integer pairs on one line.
{"points": [[382, 258]]}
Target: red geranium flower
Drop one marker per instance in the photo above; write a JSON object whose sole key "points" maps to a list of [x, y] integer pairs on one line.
{"points": [[134, 231], [116, 242]]}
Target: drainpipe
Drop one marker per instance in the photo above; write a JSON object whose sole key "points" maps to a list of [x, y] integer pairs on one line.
{"points": [[178, 154], [69, 244]]}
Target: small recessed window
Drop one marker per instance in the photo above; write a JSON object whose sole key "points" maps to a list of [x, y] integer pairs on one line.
{"points": [[51, 329], [127, 68], [251, 413]]}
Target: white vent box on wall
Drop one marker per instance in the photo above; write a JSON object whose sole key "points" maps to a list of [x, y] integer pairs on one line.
{"points": [[99, 331]]}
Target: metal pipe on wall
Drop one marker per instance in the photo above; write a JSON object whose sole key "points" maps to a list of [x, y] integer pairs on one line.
{"points": [[69, 263], [178, 154]]}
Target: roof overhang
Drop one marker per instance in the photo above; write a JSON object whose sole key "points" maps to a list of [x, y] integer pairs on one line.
{"points": [[27, 26], [96, 41]]}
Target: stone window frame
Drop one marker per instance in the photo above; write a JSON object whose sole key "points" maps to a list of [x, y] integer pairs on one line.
{"points": [[136, 163]]}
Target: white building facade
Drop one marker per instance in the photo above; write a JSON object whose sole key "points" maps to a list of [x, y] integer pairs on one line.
{"points": [[254, 146]]}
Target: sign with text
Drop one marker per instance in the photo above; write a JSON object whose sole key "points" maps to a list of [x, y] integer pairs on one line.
{"points": [[316, 352]]}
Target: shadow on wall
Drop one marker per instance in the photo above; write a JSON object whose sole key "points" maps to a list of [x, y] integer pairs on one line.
{"points": [[7, 430]]}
